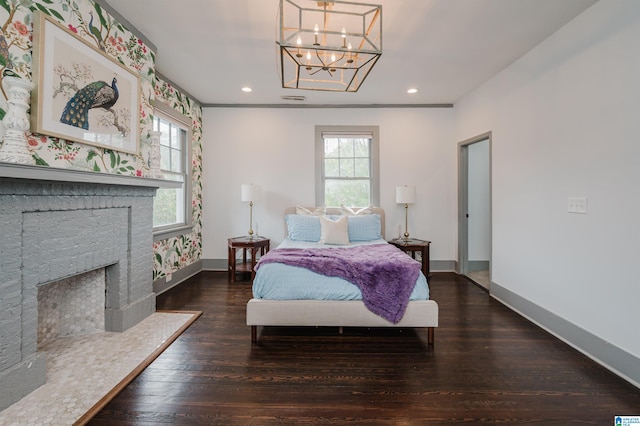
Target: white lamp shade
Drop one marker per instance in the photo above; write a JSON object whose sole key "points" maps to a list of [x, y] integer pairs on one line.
{"points": [[405, 194], [249, 192]]}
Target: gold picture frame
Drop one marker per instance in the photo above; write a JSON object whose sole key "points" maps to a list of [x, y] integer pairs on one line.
{"points": [[82, 94]]}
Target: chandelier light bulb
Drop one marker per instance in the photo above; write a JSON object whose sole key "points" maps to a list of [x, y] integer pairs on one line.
{"points": [[316, 30], [299, 43], [333, 57]]}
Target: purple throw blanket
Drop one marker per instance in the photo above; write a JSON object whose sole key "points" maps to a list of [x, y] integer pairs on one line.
{"points": [[384, 274]]}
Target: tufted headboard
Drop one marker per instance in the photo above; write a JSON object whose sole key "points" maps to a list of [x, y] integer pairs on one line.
{"points": [[336, 211]]}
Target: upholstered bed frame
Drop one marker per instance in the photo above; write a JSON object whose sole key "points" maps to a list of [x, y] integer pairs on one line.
{"points": [[339, 313]]}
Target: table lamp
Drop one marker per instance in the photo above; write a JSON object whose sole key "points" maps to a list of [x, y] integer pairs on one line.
{"points": [[406, 195], [250, 192]]}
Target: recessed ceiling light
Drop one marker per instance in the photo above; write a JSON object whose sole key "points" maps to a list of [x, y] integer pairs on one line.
{"points": [[246, 89], [412, 91]]}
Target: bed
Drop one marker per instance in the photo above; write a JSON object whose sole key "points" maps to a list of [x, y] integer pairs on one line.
{"points": [[270, 308]]}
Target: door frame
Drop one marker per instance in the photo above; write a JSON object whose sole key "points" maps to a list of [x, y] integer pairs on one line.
{"points": [[463, 202]]}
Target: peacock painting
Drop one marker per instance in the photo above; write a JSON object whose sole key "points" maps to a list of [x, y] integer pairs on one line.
{"points": [[97, 94]]}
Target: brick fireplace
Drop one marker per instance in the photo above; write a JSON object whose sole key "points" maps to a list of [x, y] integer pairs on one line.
{"points": [[56, 224]]}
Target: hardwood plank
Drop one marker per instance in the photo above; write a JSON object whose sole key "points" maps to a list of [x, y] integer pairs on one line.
{"points": [[488, 365]]}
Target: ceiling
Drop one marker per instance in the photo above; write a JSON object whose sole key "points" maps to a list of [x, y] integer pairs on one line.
{"points": [[444, 48]]}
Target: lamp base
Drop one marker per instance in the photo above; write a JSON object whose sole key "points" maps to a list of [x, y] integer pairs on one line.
{"points": [[250, 220], [406, 221]]}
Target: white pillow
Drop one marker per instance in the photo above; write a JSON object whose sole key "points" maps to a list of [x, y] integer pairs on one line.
{"points": [[316, 211], [350, 212], [334, 231]]}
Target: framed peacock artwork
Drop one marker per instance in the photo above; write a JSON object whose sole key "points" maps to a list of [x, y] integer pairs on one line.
{"points": [[82, 94]]}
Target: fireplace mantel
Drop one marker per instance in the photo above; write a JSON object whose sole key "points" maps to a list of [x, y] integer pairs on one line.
{"points": [[44, 173]]}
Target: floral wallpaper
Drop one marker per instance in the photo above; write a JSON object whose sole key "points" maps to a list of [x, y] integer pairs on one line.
{"points": [[90, 21], [176, 253]]}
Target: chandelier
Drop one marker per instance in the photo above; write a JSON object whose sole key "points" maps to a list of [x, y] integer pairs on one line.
{"points": [[328, 45]]}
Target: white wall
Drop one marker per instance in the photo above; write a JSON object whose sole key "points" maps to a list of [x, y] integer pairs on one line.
{"points": [[275, 148], [566, 122]]}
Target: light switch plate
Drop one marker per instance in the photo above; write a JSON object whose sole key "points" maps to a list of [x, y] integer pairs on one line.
{"points": [[577, 205]]}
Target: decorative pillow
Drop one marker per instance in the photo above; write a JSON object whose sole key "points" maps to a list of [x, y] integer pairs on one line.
{"points": [[351, 212], [316, 211], [364, 227], [334, 231], [302, 227]]}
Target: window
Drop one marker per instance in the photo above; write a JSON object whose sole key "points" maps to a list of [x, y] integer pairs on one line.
{"points": [[347, 166], [172, 205]]}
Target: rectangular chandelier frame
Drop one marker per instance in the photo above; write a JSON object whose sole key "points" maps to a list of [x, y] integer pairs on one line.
{"points": [[328, 45]]}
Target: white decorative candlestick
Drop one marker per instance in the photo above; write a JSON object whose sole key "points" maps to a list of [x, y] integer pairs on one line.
{"points": [[154, 162], [16, 121]]}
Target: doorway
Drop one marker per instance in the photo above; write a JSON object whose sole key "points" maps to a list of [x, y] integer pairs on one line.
{"points": [[474, 209]]}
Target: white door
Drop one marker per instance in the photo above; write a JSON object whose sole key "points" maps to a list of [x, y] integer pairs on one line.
{"points": [[474, 248]]}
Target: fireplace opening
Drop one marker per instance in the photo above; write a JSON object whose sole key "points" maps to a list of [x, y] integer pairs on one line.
{"points": [[72, 306]]}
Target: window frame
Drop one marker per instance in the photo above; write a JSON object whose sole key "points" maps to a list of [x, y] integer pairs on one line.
{"points": [[167, 113], [374, 179]]}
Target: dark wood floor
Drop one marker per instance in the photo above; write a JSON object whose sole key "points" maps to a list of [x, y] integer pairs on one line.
{"points": [[488, 365]]}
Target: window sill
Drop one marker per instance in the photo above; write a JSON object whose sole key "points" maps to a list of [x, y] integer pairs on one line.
{"points": [[173, 232], [168, 183]]}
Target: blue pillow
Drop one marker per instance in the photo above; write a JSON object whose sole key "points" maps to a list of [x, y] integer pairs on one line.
{"points": [[364, 227], [303, 227]]}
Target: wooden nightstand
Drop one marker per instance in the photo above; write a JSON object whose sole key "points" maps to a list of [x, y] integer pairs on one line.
{"points": [[254, 245], [413, 245]]}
